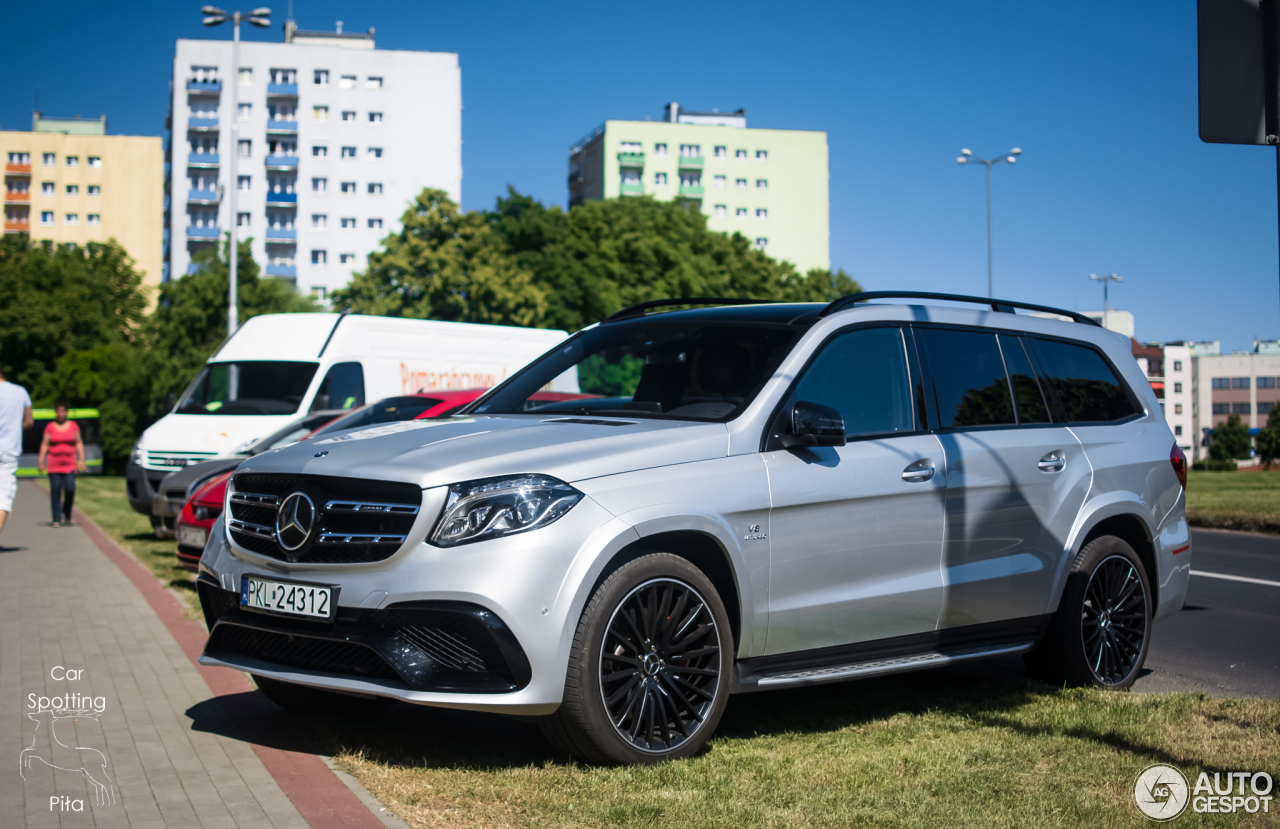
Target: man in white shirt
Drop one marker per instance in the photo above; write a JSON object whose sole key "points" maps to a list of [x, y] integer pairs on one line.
{"points": [[15, 415]]}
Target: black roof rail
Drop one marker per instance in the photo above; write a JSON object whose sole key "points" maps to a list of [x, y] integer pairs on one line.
{"points": [[638, 310], [1000, 305]]}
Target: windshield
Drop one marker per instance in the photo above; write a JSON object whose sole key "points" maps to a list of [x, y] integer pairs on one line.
{"points": [[683, 370], [384, 411], [256, 387], [292, 433]]}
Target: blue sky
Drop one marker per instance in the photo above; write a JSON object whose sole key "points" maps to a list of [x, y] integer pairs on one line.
{"points": [[1101, 97]]}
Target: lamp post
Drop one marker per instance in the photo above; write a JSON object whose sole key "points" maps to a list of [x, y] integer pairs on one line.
{"points": [[967, 157], [215, 16], [1106, 284]]}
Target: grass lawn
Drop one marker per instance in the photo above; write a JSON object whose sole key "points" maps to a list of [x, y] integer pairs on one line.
{"points": [[103, 499], [1234, 500]]}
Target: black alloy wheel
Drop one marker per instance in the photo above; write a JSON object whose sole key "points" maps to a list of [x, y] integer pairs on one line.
{"points": [[660, 665], [1114, 620]]}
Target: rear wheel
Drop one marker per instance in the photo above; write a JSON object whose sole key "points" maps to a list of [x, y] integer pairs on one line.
{"points": [[303, 699], [1102, 630], [650, 666]]}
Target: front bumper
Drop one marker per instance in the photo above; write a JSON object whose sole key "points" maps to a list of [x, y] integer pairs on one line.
{"points": [[142, 485]]}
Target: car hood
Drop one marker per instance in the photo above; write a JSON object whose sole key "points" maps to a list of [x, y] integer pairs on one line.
{"points": [[437, 452], [214, 434]]}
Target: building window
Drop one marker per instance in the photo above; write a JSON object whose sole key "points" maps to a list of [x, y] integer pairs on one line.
{"points": [[348, 116], [319, 257], [319, 151], [375, 117], [346, 258], [374, 82], [762, 184], [284, 76], [243, 183], [19, 158], [93, 219], [1177, 388], [242, 220], [321, 77], [660, 149], [1177, 408], [73, 189], [375, 224], [95, 190], [246, 148], [1240, 408], [1221, 382], [348, 186], [348, 223], [761, 243], [762, 213], [721, 211], [46, 217], [246, 75], [762, 155], [1221, 408], [1177, 430], [72, 218], [319, 185], [95, 161], [375, 188], [48, 189], [1239, 382], [631, 147], [740, 213], [49, 160], [348, 152], [630, 177], [319, 221], [740, 184], [1177, 365], [317, 292], [319, 113], [719, 182], [1266, 382], [244, 111], [347, 82], [73, 161], [690, 150], [1265, 407], [740, 154], [721, 152], [659, 179], [375, 152]]}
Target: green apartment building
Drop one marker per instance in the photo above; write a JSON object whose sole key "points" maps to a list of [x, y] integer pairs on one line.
{"points": [[768, 185]]}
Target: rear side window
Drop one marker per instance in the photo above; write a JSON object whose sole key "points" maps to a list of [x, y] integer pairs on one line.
{"points": [[1087, 388], [968, 378], [1026, 391], [863, 375]]}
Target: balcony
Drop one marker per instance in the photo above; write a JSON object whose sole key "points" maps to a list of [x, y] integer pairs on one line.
{"points": [[283, 89], [282, 199], [631, 189], [202, 160], [282, 162], [203, 233], [692, 161], [630, 159], [17, 169], [690, 189], [202, 124], [282, 234], [17, 197], [282, 270], [204, 86], [279, 125], [13, 226], [202, 197]]}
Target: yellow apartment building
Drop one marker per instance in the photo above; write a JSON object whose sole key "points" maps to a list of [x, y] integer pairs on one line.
{"points": [[70, 182]]}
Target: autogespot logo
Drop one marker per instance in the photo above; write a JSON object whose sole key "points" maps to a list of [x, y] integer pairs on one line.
{"points": [[1162, 792], [293, 522]]}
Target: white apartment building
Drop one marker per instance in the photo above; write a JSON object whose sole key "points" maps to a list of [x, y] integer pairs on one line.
{"points": [[333, 138]]}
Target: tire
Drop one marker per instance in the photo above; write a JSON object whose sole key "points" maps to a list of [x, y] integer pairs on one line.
{"points": [[303, 699], [1101, 632], [676, 662]]}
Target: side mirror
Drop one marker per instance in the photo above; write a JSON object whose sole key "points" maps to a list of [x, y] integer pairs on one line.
{"points": [[814, 425], [320, 402], [168, 402]]}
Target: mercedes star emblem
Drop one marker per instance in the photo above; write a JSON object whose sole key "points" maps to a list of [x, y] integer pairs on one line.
{"points": [[294, 521]]}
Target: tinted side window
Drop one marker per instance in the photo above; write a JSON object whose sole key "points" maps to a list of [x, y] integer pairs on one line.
{"points": [[862, 374], [1026, 391], [343, 388], [1087, 388], [968, 378]]}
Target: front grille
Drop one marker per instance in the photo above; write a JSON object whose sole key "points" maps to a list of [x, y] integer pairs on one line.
{"points": [[302, 652], [357, 520]]}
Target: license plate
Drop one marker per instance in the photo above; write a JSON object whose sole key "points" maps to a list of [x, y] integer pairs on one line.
{"points": [[284, 597], [192, 536]]}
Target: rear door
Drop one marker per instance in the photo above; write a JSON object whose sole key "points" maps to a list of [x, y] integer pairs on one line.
{"points": [[1015, 479]]}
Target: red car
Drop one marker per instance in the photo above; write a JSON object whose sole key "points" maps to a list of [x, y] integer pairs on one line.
{"points": [[451, 401], [198, 516]]}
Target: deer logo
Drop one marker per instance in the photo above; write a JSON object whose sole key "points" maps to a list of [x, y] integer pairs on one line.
{"points": [[65, 755]]}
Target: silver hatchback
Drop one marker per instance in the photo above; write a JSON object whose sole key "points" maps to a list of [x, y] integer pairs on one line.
{"points": [[756, 496]]}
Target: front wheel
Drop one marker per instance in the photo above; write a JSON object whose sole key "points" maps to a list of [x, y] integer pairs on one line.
{"points": [[650, 666], [1102, 630]]}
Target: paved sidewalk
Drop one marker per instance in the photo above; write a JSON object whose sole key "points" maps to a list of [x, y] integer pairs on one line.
{"points": [[71, 607]]}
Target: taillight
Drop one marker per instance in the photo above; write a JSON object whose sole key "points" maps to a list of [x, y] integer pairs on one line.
{"points": [[1179, 461]]}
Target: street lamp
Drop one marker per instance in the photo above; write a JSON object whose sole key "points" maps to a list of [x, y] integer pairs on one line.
{"points": [[214, 16], [967, 157], [1106, 284]]}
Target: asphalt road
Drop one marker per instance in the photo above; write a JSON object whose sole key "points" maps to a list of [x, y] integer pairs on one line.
{"points": [[1226, 640]]}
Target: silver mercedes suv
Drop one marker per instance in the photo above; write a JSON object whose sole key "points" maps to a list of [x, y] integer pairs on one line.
{"points": [[742, 497]]}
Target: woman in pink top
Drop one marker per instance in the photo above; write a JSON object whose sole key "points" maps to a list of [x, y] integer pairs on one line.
{"points": [[62, 453]]}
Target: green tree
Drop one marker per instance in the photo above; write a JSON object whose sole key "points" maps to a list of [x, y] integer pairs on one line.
{"points": [[1230, 440], [449, 265], [1268, 440]]}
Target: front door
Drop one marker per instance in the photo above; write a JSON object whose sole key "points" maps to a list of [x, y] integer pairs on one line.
{"points": [[856, 531]]}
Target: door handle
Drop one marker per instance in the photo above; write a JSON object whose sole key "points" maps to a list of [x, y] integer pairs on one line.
{"points": [[1053, 462], [919, 471]]}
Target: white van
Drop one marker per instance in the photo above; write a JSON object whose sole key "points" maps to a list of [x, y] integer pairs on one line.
{"points": [[278, 366]]}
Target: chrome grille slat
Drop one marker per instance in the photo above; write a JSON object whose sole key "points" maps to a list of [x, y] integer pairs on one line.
{"points": [[256, 530], [254, 499], [370, 507], [354, 538]]}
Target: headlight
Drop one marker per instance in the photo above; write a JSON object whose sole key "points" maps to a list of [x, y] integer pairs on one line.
{"points": [[495, 507], [137, 452]]}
